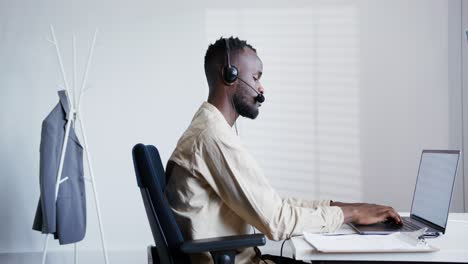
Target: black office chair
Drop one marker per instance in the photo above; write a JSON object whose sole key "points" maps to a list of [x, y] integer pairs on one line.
{"points": [[171, 247]]}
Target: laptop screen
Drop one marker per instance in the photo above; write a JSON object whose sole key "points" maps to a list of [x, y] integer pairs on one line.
{"points": [[434, 186]]}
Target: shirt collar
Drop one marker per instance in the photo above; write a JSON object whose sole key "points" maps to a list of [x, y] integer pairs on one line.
{"points": [[215, 113]]}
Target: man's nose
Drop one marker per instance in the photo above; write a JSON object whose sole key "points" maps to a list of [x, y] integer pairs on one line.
{"points": [[260, 89]]}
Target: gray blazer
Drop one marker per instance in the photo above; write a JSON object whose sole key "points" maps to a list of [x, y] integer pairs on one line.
{"points": [[66, 219]]}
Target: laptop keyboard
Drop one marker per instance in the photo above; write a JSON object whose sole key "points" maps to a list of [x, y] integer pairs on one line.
{"points": [[408, 226]]}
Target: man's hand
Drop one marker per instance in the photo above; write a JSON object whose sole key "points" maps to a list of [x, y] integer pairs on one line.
{"points": [[366, 214]]}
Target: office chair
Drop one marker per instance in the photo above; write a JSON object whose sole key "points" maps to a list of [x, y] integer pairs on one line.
{"points": [[171, 247]]}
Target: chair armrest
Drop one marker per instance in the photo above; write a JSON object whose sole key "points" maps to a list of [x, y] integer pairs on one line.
{"points": [[222, 243]]}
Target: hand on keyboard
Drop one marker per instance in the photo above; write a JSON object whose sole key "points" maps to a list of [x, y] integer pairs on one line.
{"points": [[367, 214], [392, 222]]}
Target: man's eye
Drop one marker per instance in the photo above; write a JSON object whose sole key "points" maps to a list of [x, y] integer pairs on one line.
{"points": [[255, 79]]}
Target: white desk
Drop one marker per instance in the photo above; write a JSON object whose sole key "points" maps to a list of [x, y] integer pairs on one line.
{"points": [[453, 248]]}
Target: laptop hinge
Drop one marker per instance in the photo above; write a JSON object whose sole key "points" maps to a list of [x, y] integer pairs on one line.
{"points": [[427, 223]]}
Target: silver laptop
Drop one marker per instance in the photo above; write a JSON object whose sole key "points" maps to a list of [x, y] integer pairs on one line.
{"points": [[431, 198]]}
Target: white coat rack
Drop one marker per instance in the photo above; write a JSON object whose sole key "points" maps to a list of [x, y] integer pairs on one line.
{"points": [[75, 114]]}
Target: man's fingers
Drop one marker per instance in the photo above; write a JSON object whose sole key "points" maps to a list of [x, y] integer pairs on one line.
{"points": [[372, 213], [397, 216], [385, 212], [393, 214], [378, 214]]}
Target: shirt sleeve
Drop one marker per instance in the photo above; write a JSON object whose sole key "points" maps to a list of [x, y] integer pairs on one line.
{"points": [[238, 180], [306, 203]]}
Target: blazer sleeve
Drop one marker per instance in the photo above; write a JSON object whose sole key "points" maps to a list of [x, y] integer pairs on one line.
{"points": [[50, 150]]}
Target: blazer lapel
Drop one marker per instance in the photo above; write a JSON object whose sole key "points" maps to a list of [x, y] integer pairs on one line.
{"points": [[66, 109], [64, 102]]}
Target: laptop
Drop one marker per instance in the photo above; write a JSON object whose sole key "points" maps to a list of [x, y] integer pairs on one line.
{"points": [[431, 198]]}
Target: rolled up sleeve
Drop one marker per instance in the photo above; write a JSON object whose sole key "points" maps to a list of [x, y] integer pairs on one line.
{"points": [[306, 203]]}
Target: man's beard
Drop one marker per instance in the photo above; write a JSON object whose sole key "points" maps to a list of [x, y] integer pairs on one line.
{"points": [[241, 103]]}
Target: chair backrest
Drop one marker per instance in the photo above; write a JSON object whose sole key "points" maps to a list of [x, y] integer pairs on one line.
{"points": [[151, 179]]}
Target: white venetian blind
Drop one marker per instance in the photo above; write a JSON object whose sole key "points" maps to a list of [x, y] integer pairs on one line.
{"points": [[307, 136]]}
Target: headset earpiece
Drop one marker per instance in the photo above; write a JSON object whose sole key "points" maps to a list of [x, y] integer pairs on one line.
{"points": [[230, 72]]}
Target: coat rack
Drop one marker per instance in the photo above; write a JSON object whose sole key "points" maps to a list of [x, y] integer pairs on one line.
{"points": [[74, 103]]}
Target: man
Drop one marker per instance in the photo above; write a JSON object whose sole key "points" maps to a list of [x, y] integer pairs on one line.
{"points": [[216, 188]]}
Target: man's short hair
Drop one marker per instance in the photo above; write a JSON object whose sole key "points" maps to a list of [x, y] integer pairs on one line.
{"points": [[215, 57]]}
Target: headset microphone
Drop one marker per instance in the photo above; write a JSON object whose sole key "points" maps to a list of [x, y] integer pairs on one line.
{"points": [[260, 97]]}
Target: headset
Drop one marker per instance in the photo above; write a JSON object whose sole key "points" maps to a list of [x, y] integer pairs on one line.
{"points": [[231, 74]]}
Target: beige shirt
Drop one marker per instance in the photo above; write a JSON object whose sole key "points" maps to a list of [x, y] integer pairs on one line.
{"points": [[218, 189]]}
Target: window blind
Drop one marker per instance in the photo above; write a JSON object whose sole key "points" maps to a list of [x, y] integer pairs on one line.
{"points": [[307, 136]]}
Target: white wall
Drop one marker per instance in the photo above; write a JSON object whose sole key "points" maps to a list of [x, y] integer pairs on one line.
{"points": [[464, 81], [407, 95], [147, 80]]}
